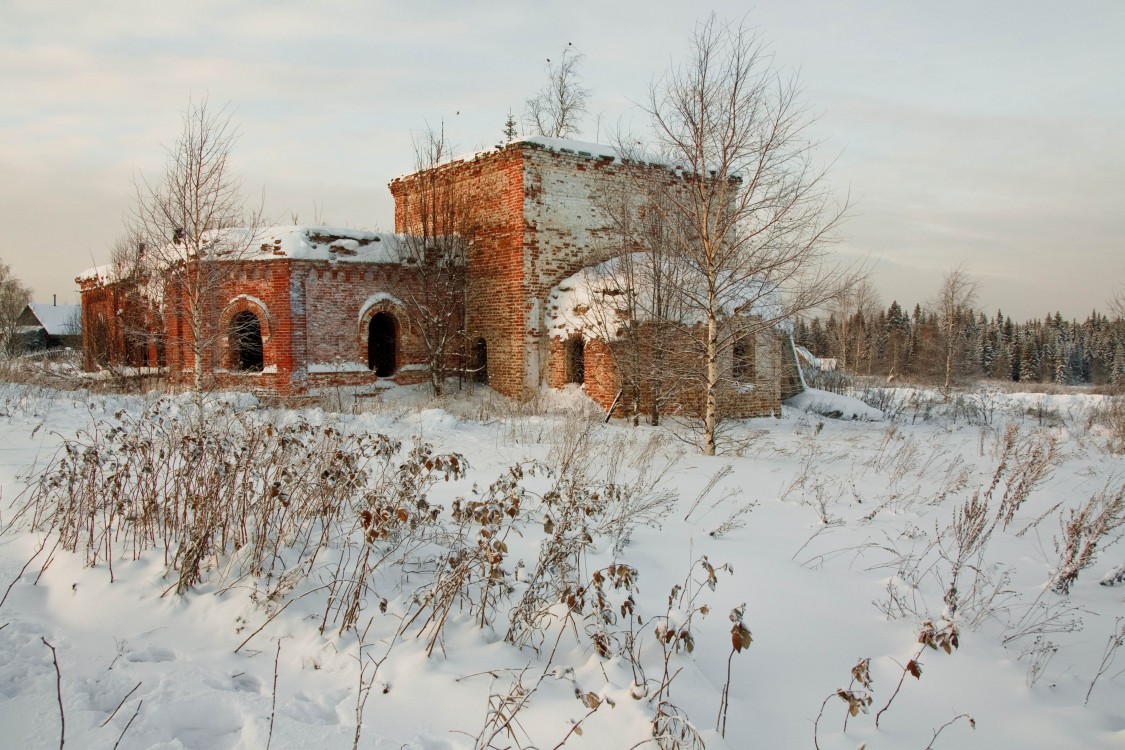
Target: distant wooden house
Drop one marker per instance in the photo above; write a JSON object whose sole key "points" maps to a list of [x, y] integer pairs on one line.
{"points": [[44, 326]]}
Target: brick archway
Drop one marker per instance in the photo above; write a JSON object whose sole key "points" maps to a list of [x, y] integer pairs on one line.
{"points": [[382, 326], [240, 336]]}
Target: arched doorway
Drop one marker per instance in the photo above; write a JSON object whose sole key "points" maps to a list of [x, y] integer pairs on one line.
{"points": [[479, 362], [743, 358], [246, 342], [575, 360], [382, 344]]}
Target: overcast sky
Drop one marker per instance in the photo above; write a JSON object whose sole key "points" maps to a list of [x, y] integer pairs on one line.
{"points": [[985, 133]]}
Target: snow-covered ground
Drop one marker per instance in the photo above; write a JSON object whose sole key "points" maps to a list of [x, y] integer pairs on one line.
{"points": [[841, 539]]}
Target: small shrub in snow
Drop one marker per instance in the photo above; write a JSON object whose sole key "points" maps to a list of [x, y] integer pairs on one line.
{"points": [[468, 571], [1115, 576], [206, 483], [858, 699], [1082, 530], [1024, 462], [1040, 653], [1114, 642], [1108, 419], [673, 630], [944, 637]]}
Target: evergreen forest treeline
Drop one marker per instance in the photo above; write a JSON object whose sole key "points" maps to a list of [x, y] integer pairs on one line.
{"points": [[913, 345]]}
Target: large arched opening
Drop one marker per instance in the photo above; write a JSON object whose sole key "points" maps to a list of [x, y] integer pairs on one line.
{"points": [[382, 344], [245, 339]]}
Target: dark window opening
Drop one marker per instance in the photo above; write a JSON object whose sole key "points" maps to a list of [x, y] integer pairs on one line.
{"points": [[382, 344], [100, 341], [575, 361], [743, 356], [246, 342], [478, 365], [136, 349]]}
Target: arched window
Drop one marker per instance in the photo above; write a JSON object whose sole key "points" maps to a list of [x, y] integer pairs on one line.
{"points": [[743, 358], [246, 342], [479, 362], [382, 344], [575, 360]]}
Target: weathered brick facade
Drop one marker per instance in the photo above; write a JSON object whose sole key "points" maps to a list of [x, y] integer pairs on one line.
{"points": [[533, 213], [753, 390], [530, 214], [311, 317]]}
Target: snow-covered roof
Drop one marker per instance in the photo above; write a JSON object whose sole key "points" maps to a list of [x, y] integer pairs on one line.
{"points": [[569, 145], [311, 243], [599, 151], [106, 274], [598, 301], [57, 320], [297, 242]]}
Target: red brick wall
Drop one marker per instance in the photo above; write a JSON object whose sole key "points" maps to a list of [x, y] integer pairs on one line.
{"points": [[334, 298], [313, 334], [756, 395], [232, 287], [533, 216], [103, 336], [118, 327], [490, 192]]}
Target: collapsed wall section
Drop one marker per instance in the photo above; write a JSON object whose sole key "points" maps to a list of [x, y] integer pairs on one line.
{"points": [[532, 213]]}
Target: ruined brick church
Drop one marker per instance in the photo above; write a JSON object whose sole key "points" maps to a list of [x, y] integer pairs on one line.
{"points": [[314, 307]]}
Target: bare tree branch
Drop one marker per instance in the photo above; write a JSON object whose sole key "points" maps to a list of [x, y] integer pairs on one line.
{"points": [[187, 225], [557, 109], [435, 249]]}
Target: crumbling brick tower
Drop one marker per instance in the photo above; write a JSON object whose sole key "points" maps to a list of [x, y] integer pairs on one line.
{"points": [[532, 214]]}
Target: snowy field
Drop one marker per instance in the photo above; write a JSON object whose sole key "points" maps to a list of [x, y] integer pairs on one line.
{"points": [[481, 575]]}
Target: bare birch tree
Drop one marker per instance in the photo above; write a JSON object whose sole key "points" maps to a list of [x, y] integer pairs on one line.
{"points": [[189, 223], [751, 204], [644, 308], [953, 306], [557, 110], [14, 297], [848, 308], [435, 249], [1117, 305]]}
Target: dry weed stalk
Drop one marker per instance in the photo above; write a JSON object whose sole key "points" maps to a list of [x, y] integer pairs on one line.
{"points": [[1115, 641], [1022, 464], [204, 482], [946, 725], [1041, 652], [502, 716], [1110, 417], [740, 638], [970, 530], [58, 693], [1083, 529]]}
